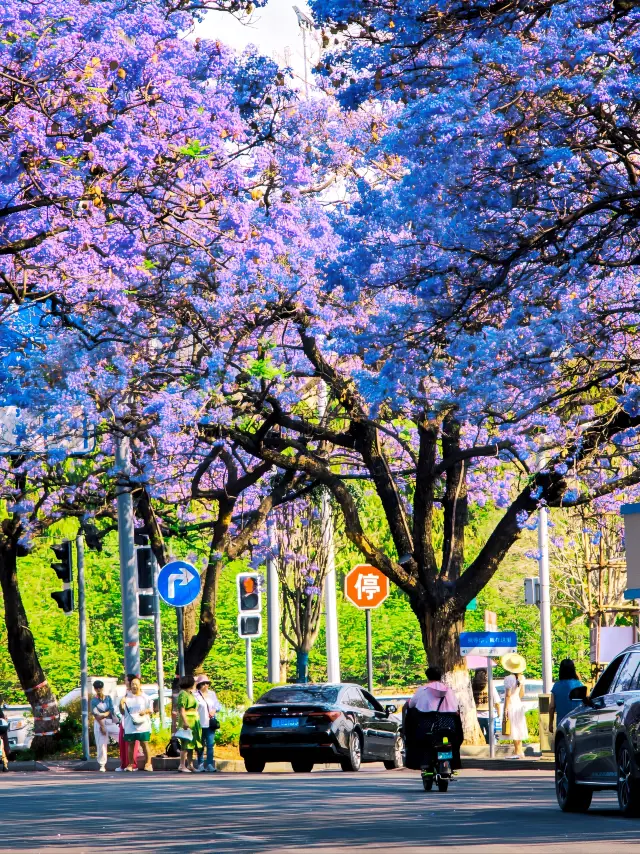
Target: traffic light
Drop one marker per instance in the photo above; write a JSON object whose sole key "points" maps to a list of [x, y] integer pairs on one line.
{"points": [[249, 605], [63, 568], [144, 562]]}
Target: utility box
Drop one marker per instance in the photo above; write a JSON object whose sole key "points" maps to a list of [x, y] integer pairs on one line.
{"points": [[546, 738], [532, 591]]}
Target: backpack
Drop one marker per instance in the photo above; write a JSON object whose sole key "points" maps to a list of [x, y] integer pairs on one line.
{"points": [[173, 748]]}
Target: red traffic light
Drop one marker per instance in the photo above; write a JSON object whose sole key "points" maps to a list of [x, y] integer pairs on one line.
{"points": [[248, 584]]}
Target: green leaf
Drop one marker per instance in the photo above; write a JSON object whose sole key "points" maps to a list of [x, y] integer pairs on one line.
{"points": [[194, 149]]}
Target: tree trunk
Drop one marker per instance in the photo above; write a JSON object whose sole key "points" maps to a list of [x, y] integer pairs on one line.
{"points": [[202, 641], [441, 638], [302, 666], [190, 622], [22, 650]]}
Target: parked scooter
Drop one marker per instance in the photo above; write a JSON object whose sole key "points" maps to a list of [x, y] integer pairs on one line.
{"points": [[439, 769]]}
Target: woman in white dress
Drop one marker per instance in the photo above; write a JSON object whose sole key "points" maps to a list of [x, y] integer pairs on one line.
{"points": [[514, 711]]}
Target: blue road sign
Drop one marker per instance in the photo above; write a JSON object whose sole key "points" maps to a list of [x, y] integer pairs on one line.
{"points": [[178, 583], [488, 643]]}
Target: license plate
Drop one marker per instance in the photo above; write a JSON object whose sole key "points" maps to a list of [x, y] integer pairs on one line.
{"points": [[285, 722], [445, 755]]}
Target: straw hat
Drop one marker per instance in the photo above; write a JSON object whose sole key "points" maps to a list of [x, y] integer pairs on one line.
{"points": [[513, 662], [203, 679]]}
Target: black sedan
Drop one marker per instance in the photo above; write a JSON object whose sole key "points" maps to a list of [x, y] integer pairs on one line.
{"points": [[306, 724], [598, 743]]}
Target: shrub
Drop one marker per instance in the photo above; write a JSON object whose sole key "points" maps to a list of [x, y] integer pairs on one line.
{"points": [[230, 725], [533, 724]]}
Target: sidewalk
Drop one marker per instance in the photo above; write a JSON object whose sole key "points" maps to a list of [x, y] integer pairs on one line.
{"points": [[161, 763]]}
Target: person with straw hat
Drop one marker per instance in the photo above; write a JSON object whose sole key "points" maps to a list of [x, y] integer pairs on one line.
{"points": [[514, 724]]}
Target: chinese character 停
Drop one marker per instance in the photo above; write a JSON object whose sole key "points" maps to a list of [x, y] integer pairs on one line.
{"points": [[367, 585]]}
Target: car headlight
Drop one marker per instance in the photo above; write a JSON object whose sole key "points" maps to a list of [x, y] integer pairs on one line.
{"points": [[19, 724]]}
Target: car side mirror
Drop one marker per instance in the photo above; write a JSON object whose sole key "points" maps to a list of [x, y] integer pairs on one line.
{"points": [[580, 693], [390, 709]]}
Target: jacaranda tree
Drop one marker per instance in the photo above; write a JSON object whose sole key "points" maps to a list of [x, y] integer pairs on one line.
{"points": [[477, 329]]}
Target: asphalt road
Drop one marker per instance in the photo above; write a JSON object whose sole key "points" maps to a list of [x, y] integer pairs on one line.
{"points": [[322, 812]]}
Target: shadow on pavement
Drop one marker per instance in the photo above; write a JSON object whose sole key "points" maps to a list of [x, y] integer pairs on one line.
{"points": [[320, 812]]}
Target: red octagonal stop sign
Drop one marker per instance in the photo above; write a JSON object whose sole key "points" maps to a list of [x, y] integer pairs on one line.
{"points": [[366, 587]]}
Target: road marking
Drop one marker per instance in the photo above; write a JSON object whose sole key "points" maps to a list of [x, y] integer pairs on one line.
{"points": [[239, 836]]}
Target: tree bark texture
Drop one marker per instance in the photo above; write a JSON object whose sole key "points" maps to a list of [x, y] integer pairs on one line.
{"points": [[22, 648]]}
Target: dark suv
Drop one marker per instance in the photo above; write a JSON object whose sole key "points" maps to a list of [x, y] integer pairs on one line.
{"points": [[598, 743]]}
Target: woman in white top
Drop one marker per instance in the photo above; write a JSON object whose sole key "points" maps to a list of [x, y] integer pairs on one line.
{"points": [[514, 711], [137, 720], [208, 705]]}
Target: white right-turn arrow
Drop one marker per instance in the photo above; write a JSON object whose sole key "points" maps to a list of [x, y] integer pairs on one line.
{"points": [[182, 577]]}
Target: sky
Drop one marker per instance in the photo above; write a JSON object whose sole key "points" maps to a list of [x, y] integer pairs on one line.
{"points": [[273, 29]]}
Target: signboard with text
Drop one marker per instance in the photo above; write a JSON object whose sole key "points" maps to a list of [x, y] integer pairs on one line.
{"points": [[366, 587], [488, 643]]}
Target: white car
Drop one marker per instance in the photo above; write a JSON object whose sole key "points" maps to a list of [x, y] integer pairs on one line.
{"points": [[20, 728], [532, 690]]}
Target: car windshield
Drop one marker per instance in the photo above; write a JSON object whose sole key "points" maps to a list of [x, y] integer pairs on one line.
{"points": [[303, 694]]}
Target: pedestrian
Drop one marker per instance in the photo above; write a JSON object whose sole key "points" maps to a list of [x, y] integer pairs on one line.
{"points": [[514, 725], [480, 688], [208, 705], [4, 739], [126, 747], [190, 731], [137, 721], [102, 711], [559, 702]]}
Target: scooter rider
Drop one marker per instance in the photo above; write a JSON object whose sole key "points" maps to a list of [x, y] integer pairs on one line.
{"points": [[435, 696], [433, 732]]}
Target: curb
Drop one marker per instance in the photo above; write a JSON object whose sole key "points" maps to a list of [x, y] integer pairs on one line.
{"points": [[236, 766], [536, 763]]}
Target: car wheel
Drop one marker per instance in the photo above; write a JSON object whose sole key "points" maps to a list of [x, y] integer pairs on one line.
{"points": [[354, 760], [628, 790], [302, 766], [443, 785], [254, 766], [397, 761], [571, 797]]}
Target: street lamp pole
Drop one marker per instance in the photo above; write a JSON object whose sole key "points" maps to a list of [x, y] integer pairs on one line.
{"points": [[306, 25], [273, 607], [128, 572], [545, 599], [330, 597]]}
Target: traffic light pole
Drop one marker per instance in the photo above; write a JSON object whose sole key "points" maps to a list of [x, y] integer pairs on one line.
{"points": [[157, 637], [128, 569], [249, 654], [84, 667]]}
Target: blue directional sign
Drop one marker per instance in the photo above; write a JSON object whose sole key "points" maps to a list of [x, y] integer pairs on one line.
{"points": [[488, 643], [178, 583]]}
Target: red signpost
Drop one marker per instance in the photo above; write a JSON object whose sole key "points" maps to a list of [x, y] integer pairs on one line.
{"points": [[366, 588]]}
